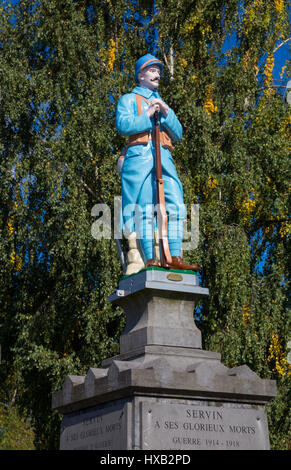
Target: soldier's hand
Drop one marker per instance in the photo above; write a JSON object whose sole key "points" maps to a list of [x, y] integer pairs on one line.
{"points": [[157, 105], [153, 107]]}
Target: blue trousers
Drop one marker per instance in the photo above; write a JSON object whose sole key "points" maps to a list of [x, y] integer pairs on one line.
{"points": [[139, 206]]}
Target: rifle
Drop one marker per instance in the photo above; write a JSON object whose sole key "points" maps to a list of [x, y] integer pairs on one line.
{"points": [[162, 219]]}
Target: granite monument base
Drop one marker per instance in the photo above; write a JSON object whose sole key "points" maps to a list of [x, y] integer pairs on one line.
{"points": [[153, 423], [163, 391]]}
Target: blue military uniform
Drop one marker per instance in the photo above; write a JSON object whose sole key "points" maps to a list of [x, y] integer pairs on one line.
{"points": [[138, 180]]}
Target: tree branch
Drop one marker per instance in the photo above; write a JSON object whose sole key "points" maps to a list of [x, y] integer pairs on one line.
{"points": [[280, 45]]}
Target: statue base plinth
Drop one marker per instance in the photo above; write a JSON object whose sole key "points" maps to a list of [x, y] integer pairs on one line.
{"points": [[163, 391], [159, 305]]}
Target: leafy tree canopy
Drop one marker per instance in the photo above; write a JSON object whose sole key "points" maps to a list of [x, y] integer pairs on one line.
{"points": [[63, 66]]}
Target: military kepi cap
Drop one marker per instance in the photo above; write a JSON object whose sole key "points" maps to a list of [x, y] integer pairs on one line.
{"points": [[146, 61]]}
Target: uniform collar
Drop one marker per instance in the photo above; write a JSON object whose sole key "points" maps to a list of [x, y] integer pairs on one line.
{"points": [[145, 92]]}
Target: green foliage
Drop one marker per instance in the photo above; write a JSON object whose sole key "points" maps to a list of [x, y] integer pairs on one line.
{"points": [[63, 66], [15, 432]]}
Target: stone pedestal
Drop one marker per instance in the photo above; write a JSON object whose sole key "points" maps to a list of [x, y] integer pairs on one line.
{"points": [[159, 309], [163, 391]]}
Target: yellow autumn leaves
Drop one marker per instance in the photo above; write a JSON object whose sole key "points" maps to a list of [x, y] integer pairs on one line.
{"points": [[15, 259], [107, 55], [209, 105], [111, 54], [277, 354], [252, 10], [246, 313], [268, 73], [247, 205], [253, 201], [279, 5], [10, 226], [198, 20]]}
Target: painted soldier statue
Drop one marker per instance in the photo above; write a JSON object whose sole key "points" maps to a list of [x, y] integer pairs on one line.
{"points": [[135, 119]]}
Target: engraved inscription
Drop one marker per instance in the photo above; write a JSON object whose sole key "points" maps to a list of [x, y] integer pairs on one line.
{"points": [[173, 426], [95, 429]]}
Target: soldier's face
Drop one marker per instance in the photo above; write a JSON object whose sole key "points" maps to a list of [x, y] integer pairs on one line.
{"points": [[150, 77]]}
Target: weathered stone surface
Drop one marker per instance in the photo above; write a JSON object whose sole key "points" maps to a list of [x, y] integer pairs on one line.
{"points": [[164, 321], [70, 384], [140, 398], [158, 311], [202, 427], [180, 357], [96, 428], [91, 380], [149, 423], [202, 378]]}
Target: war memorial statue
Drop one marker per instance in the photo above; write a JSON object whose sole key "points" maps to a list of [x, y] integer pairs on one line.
{"points": [[163, 391], [148, 175]]}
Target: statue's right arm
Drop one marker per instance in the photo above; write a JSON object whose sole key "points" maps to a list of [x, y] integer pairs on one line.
{"points": [[127, 121]]}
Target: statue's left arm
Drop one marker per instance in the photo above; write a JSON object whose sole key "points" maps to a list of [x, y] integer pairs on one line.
{"points": [[172, 125], [127, 120]]}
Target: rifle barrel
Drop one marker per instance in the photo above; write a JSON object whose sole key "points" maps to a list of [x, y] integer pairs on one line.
{"points": [[162, 214]]}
